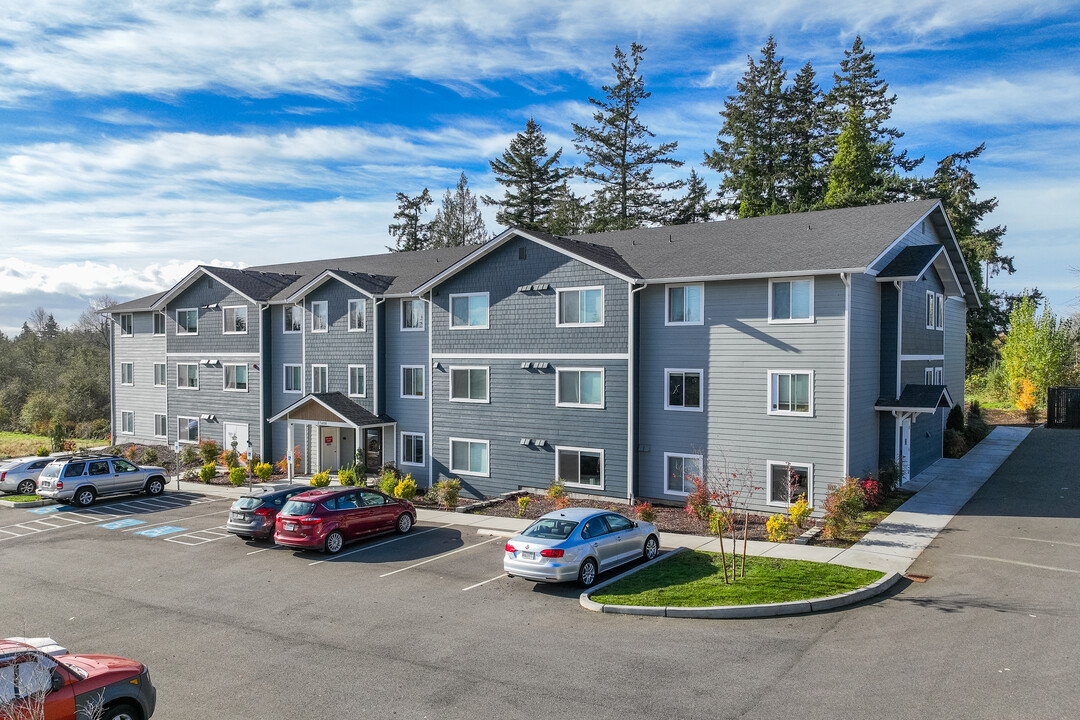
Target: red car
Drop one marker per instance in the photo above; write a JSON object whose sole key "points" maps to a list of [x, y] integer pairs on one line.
{"points": [[40, 679], [326, 519]]}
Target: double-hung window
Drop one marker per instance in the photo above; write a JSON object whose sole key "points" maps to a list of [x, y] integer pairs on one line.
{"points": [[187, 429], [579, 387], [412, 448], [318, 378], [292, 317], [159, 323], [683, 390], [127, 325], [412, 314], [235, 320], [469, 457], [160, 426], [582, 467], [791, 301], [187, 376], [930, 310], [357, 314], [580, 306], [928, 376], [127, 373], [320, 316], [787, 481], [127, 422], [236, 378], [469, 384], [685, 304], [187, 321], [939, 311], [160, 375], [293, 378], [681, 471], [937, 376], [791, 393], [412, 381], [469, 310], [357, 380]]}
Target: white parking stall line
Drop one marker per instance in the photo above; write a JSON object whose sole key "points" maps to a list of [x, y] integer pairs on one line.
{"points": [[497, 577], [173, 521], [438, 557], [384, 542], [197, 537]]}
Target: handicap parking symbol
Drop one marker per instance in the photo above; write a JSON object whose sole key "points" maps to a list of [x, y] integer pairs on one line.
{"points": [[45, 510], [117, 524], [159, 531]]}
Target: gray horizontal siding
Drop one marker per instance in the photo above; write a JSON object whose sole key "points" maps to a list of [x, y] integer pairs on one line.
{"points": [[955, 347], [211, 338], [284, 348], [864, 374], [142, 349], [405, 348], [211, 398]]}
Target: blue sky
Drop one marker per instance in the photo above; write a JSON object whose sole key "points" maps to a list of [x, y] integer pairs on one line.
{"points": [[139, 141]]}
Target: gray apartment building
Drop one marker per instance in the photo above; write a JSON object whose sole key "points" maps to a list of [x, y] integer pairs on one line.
{"points": [[624, 363]]}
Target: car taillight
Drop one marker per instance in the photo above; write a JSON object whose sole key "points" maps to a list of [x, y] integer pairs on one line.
{"points": [[3, 475], [510, 548], [551, 553], [263, 511], [59, 484], [310, 520]]}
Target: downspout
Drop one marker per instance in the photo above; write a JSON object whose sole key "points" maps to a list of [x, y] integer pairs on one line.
{"points": [[376, 375], [112, 381], [264, 426], [631, 425], [846, 279], [431, 394], [899, 285]]}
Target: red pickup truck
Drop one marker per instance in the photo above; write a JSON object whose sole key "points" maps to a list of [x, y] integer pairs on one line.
{"points": [[40, 679]]}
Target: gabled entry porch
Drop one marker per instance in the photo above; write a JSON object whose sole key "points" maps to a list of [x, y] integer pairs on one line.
{"points": [[914, 401]]}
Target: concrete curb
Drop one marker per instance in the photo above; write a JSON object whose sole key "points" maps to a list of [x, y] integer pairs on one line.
{"points": [[797, 607], [31, 504]]}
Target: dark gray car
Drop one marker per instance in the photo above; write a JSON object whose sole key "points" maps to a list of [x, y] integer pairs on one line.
{"points": [[253, 515], [81, 479], [19, 475]]}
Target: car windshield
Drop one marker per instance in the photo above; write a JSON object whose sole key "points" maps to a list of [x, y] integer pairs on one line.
{"points": [[247, 503], [51, 471], [550, 529], [296, 508]]}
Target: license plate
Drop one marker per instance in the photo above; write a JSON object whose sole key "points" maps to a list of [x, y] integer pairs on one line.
{"points": [[238, 516], [290, 526], [527, 555]]}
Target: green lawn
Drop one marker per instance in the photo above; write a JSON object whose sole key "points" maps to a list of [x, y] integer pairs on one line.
{"points": [[20, 498], [14, 444], [696, 579]]}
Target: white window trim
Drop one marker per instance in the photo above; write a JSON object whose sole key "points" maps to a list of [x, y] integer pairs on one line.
{"points": [[123, 414], [165, 419], [770, 464], [130, 383], [928, 376], [667, 305], [285, 367], [487, 315], [284, 325], [326, 308], [197, 425], [131, 324], [363, 390], [185, 333], [558, 306], [938, 376], [198, 380], [603, 388], [315, 367], [769, 390], [487, 389], [929, 310], [164, 375], [164, 324], [401, 320], [791, 321], [458, 471], [423, 382], [363, 315], [685, 456], [570, 448], [246, 381], [423, 460], [224, 328], [939, 311], [701, 389]]}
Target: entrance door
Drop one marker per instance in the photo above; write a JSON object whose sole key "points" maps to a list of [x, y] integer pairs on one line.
{"points": [[348, 448], [905, 450], [373, 448], [328, 448], [240, 430]]}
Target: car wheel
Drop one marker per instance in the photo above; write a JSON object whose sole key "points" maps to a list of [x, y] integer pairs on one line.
{"points": [[155, 486], [652, 548], [404, 523], [26, 487], [334, 542], [84, 497], [123, 711], [587, 574]]}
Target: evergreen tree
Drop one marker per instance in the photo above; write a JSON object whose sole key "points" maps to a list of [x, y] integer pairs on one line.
{"points": [[569, 213], [458, 222], [851, 174], [531, 179], [618, 152], [805, 137], [411, 232], [695, 206]]}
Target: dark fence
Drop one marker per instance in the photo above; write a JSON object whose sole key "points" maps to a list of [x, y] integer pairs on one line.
{"points": [[1063, 407]]}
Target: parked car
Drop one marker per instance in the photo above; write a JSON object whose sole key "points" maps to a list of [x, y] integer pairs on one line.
{"points": [[19, 475], [253, 516], [80, 479], [327, 519], [40, 679], [578, 544]]}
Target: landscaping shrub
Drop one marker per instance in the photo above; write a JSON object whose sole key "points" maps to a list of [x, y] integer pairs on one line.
{"points": [[1027, 403], [953, 444], [237, 476], [556, 489], [320, 479], [720, 521], [873, 493], [191, 474], [406, 488], [111, 450], [778, 527], [189, 456], [955, 421], [390, 468], [699, 502], [562, 502], [229, 458], [975, 429], [69, 446], [131, 451], [889, 476], [263, 471], [208, 472], [209, 451], [283, 464], [645, 512], [799, 512], [149, 456], [388, 482], [843, 505], [57, 436], [433, 494], [523, 505], [449, 494], [42, 451], [347, 476]]}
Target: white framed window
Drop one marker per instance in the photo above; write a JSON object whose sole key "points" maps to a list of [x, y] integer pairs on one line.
{"points": [[580, 307], [127, 422], [320, 317], [293, 379], [187, 321], [684, 304], [127, 325], [469, 311], [791, 300], [929, 309], [160, 375], [412, 448], [357, 314], [318, 379], [939, 311], [787, 481], [791, 392], [159, 323], [234, 320], [580, 467], [469, 384], [357, 381], [292, 319], [579, 387], [127, 373], [469, 457], [412, 314], [412, 381], [160, 426], [683, 389], [187, 376], [187, 430], [236, 378], [928, 376], [938, 376], [680, 471]]}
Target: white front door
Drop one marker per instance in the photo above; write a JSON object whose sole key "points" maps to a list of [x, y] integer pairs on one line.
{"points": [[240, 430], [328, 441], [905, 450]]}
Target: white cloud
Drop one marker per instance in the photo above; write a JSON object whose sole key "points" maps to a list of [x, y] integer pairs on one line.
{"points": [[1040, 97]]}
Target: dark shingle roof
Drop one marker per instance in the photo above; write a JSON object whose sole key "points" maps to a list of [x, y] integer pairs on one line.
{"points": [[349, 410], [143, 303], [923, 398], [911, 262], [257, 285]]}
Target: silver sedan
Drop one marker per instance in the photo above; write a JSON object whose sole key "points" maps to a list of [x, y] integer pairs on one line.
{"points": [[578, 544], [19, 475]]}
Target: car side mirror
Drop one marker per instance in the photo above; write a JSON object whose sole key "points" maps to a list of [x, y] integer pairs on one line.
{"points": [[57, 681], [634, 523]]}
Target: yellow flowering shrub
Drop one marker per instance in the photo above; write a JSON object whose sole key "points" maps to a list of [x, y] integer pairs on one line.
{"points": [[777, 526], [800, 511]]}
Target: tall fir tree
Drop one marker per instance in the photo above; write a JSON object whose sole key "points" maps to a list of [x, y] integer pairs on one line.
{"points": [[458, 221], [851, 174], [694, 207], [531, 178], [619, 155], [750, 145], [569, 213], [805, 176], [411, 232]]}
